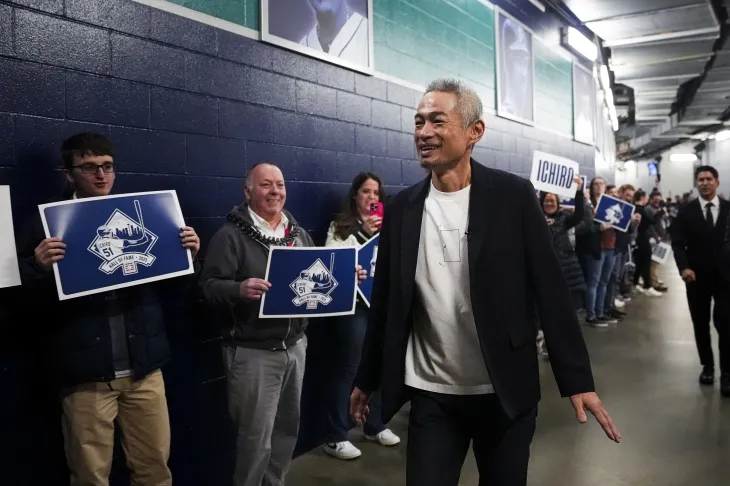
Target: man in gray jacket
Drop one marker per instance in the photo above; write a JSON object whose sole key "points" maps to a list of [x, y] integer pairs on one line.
{"points": [[264, 360]]}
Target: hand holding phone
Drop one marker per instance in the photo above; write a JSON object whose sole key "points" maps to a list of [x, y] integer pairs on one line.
{"points": [[377, 209], [375, 220]]}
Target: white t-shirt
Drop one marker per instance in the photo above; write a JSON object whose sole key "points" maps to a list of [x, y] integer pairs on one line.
{"points": [[444, 354]]}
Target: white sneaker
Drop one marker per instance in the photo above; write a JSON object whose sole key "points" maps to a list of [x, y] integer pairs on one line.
{"points": [[618, 303], [653, 293], [343, 450], [640, 289], [386, 438]]}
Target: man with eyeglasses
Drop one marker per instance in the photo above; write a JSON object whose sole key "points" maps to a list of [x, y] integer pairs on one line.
{"points": [[106, 349]]}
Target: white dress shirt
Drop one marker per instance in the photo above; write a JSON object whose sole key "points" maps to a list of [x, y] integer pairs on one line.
{"points": [[266, 229], [715, 210]]}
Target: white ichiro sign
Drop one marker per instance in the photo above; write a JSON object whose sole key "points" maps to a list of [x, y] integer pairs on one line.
{"points": [[551, 173]]}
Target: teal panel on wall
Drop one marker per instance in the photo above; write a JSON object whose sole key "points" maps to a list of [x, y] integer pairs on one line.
{"points": [[419, 40], [553, 90], [241, 12]]}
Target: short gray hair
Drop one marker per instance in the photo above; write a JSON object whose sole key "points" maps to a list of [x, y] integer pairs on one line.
{"points": [[250, 171], [468, 103]]}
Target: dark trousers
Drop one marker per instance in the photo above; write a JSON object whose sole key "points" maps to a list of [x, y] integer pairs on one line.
{"points": [[710, 286], [642, 260], [441, 428], [348, 335]]}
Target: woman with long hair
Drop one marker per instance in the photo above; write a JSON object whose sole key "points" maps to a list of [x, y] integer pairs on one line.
{"points": [[596, 249], [353, 226], [560, 222]]}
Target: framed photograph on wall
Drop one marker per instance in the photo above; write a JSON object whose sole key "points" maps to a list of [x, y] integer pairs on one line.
{"points": [[336, 31], [584, 104], [515, 70]]}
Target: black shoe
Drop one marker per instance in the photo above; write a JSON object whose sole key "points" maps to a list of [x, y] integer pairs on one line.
{"points": [[608, 320], [661, 288], [707, 377], [615, 313], [725, 384], [596, 322]]}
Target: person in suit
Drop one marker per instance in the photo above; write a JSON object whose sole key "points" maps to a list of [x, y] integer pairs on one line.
{"points": [[465, 257], [698, 234]]}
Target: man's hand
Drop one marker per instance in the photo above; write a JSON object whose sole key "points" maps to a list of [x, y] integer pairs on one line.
{"points": [[359, 409], [591, 402], [361, 274], [605, 226], [636, 218], [190, 240], [688, 275], [253, 288], [48, 252]]}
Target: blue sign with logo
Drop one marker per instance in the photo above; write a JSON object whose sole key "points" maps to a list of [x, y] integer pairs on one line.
{"points": [[615, 212], [367, 256], [310, 282], [116, 241]]}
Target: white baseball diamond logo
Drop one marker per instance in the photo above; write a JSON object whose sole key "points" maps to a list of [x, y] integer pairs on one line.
{"points": [[614, 214], [315, 284], [123, 242]]}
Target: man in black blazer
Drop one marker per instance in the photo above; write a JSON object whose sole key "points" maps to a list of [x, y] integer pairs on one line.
{"points": [[464, 259], [697, 240]]}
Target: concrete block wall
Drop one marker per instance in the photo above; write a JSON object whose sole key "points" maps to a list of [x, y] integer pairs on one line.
{"points": [[188, 107]]}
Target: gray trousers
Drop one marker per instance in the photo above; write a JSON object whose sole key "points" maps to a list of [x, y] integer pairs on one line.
{"points": [[264, 389]]}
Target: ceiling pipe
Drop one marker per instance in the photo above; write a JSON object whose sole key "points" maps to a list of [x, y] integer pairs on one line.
{"points": [[688, 90]]}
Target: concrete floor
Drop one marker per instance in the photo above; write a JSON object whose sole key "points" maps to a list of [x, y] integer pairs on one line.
{"points": [[674, 432]]}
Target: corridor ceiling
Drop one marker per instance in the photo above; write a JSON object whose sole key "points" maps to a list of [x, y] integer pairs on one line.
{"points": [[668, 52]]}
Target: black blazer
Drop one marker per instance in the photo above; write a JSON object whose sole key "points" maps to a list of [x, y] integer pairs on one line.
{"points": [[514, 270], [694, 245]]}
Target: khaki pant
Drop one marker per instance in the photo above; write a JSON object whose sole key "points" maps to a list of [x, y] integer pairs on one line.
{"points": [[140, 408], [654, 274]]}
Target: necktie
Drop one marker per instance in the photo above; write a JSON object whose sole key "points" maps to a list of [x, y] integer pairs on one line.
{"points": [[708, 215]]}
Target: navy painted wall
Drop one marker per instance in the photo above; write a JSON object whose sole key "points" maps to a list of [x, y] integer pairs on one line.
{"points": [[189, 107]]}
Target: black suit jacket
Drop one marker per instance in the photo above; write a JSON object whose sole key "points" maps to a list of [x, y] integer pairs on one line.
{"points": [[513, 270], [694, 244]]}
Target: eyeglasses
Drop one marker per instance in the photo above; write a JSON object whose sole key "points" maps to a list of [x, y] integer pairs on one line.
{"points": [[91, 169]]}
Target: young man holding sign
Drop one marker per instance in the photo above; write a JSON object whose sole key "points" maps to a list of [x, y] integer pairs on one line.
{"points": [[108, 347], [445, 245], [263, 358]]}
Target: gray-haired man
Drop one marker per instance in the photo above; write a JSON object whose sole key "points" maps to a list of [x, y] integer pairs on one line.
{"points": [[264, 361], [446, 331]]}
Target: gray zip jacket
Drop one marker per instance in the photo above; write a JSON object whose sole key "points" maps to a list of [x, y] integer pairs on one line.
{"points": [[237, 252]]}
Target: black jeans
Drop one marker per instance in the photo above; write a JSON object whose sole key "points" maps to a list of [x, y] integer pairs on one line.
{"points": [[642, 260], [347, 341], [441, 427]]}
